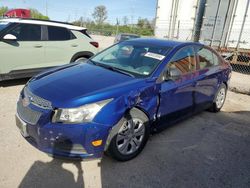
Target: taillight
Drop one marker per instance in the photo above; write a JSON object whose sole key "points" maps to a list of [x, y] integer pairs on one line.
{"points": [[95, 44]]}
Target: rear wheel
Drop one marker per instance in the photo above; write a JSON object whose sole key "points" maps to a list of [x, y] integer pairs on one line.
{"points": [[131, 137], [219, 99], [81, 60]]}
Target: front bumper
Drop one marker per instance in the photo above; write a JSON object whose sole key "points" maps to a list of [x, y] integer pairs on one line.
{"points": [[64, 140]]}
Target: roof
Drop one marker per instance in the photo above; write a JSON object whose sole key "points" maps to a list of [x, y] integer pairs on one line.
{"points": [[43, 22], [163, 42]]}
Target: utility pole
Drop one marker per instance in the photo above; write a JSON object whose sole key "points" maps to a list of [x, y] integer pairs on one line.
{"points": [[81, 21], [117, 26], [46, 7], [132, 16]]}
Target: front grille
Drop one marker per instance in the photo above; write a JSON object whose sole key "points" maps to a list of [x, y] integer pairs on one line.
{"points": [[28, 115], [36, 100]]}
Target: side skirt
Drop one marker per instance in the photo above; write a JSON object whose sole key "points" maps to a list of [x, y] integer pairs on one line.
{"points": [[26, 73], [173, 118]]}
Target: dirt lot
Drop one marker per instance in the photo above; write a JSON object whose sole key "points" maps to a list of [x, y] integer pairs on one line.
{"points": [[240, 83], [208, 150]]}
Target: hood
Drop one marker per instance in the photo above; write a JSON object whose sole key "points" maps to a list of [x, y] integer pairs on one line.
{"points": [[78, 84]]}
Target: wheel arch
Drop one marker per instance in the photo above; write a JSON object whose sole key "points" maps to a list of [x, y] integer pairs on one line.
{"points": [[85, 54], [226, 84], [139, 109], [114, 130]]}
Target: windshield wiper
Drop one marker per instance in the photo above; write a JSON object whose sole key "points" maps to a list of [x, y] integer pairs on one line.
{"points": [[112, 68], [121, 71]]}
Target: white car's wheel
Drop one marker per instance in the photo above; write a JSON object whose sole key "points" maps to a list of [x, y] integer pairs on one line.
{"points": [[81, 60]]}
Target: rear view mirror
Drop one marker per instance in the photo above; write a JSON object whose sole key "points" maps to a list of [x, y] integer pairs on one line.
{"points": [[9, 37]]}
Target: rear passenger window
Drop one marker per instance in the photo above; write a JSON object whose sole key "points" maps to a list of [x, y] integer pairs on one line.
{"points": [[207, 58], [184, 60], [59, 33], [27, 32]]}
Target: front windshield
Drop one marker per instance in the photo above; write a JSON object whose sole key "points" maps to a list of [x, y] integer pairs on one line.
{"points": [[133, 57], [3, 25]]}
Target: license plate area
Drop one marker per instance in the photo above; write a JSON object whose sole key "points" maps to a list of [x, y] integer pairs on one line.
{"points": [[22, 126]]}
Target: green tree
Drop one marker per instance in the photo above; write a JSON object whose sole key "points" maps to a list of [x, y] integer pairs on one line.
{"points": [[100, 14], [37, 15], [3, 10], [143, 23]]}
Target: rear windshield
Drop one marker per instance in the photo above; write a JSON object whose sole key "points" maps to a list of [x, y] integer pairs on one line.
{"points": [[3, 25], [85, 32], [127, 37]]}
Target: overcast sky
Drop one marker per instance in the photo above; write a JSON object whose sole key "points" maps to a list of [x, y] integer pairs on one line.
{"points": [[69, 10]]}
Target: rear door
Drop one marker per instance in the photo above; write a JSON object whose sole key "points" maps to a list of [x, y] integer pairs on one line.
{"points": [[61, 45], [27, 52], [208, 78], [177, 95]]}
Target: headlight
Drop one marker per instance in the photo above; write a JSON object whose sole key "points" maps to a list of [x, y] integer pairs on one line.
{"points": [[81, 114]]}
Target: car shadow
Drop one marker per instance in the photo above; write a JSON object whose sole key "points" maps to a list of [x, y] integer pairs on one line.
{"points": [[206, 150], [9, 83], [52, 174]]}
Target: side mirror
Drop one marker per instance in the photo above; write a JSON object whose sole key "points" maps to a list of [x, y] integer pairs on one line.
{"points": [[9, 37], [172, 74]]}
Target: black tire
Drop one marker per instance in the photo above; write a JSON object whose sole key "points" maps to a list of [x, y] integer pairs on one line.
{"points": [[113, 150], [215, 108]]}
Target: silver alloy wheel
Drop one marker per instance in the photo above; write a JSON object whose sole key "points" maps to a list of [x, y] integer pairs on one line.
{"points": [[130, 136], [220, 97]]}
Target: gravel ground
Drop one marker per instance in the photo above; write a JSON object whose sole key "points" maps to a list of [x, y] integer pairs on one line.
{"points": [[240, 83], [207, 150], [104, 41]]}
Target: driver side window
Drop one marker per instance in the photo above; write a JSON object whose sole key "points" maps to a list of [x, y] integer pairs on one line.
{"points": [[183, 62], [27, 32]]}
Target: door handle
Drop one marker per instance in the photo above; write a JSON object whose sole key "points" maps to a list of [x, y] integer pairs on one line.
{"points": [[74, 45], [38, 46]]}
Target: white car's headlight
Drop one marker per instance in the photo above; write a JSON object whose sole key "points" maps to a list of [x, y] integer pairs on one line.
{"points": [[81, 114]]}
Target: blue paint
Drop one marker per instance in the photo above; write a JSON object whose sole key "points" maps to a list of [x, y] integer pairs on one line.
{"points": [[75, 85]]}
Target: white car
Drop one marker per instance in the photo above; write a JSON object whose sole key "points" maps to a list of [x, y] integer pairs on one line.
{"points": [[28, 46]]}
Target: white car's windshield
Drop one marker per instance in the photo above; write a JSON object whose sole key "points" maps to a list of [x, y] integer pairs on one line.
{"points": [[3, 25], [134, 58]]}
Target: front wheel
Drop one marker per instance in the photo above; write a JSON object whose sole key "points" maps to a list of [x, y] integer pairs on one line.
{"points": [[131, 137], [219, 99]]}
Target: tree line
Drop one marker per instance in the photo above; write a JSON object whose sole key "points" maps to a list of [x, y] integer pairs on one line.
{"points": [[99, 25]]}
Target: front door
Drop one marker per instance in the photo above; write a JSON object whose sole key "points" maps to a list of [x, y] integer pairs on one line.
{"points": [[27, 52], [177, 91]]}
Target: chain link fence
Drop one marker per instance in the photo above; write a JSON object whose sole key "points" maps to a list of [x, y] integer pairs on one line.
{"points": [[239, 58]]}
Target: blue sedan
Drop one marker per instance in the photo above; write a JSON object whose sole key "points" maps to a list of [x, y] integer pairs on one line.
{"points": [[117, 98]]}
